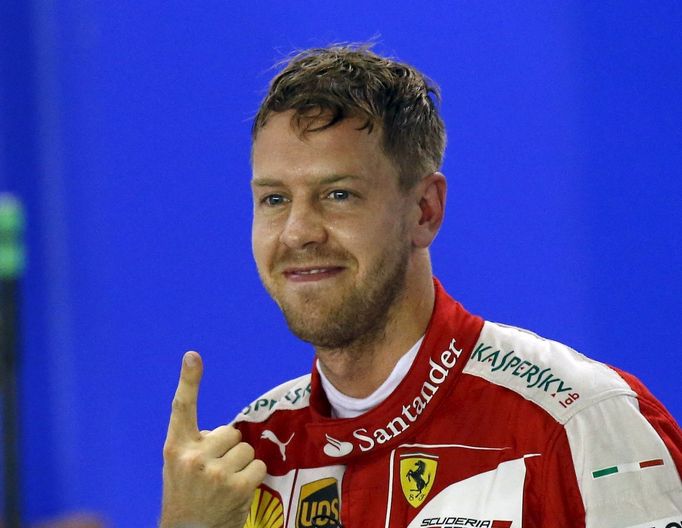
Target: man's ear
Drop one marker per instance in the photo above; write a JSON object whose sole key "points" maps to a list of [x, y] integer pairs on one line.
{"points": [[431, 193]]}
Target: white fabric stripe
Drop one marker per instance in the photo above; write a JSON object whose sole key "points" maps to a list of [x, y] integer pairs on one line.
{"points": [[390, 489], [456, 445], [291, 494], [423, 455], [627, 468]]}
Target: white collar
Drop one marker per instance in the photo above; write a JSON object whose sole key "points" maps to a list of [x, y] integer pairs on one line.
{"points": [[344, 406]]}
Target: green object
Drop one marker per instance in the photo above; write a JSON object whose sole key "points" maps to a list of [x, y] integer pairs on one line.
{"points": [[12, 252], [604, 472]]}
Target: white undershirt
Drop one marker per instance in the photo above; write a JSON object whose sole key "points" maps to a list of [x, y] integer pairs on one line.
{"points": [[344, 406]]}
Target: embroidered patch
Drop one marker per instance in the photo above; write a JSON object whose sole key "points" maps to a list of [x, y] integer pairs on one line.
{"points": [[417, 473], [318, 503]]}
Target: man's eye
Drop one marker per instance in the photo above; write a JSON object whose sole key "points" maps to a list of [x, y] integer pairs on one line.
{"points": [[273, 200], [339, 195]]}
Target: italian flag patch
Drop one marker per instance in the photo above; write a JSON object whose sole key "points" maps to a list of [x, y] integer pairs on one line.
{"points": [[627, 468]]}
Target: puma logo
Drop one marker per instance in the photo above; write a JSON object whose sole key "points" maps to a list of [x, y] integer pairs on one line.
{"points": [[269, 435]]}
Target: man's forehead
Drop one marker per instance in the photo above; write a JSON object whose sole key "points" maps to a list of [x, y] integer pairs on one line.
{"points": [[264, 181], [279, 140], [282, 156]]}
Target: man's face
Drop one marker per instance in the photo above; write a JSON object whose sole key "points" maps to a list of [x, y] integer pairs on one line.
{"points": [[329, 229]]}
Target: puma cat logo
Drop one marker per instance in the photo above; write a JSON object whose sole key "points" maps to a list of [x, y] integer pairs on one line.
{"points": [[269, 435]]}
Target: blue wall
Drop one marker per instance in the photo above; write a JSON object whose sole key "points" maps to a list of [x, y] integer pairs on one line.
{"points": [[125, 127]]}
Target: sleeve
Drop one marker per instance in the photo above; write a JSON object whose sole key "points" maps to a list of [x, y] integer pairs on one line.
{"points": [[625, 464], [556, 501]]}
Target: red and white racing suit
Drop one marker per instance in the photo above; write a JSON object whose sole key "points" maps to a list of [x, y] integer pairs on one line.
{"points": [[493, 426]]}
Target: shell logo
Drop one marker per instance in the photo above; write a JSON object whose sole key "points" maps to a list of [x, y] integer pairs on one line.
{"points": [[266, 509]]}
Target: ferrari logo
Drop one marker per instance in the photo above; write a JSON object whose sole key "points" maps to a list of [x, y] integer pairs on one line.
{"points": [[417, 473]]}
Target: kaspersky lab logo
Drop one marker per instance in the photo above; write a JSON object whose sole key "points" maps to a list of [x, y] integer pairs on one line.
{"points": [[411, 410], [534, 376]]}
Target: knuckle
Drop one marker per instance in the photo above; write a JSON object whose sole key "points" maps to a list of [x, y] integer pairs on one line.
{"points": [[233, 434], [255, 472], [230, 429], [178, 404], [170, 450], [225, 435], [242, 487], [246, 450], [193, 460], [260, 469], [216, 476], [189, 381]]}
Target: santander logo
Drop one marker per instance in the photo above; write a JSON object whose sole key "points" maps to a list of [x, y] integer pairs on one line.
{"points": [[336, 448], [411, 409]]}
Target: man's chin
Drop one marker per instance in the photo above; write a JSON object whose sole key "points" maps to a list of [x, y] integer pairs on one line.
{"points": [[315, 335], [326, 341], [315, 324]]}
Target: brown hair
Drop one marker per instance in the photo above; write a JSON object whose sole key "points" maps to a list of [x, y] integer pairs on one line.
{"points": [[343, 81]]}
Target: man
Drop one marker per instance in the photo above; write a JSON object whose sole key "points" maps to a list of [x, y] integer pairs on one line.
{"points": [[417, 413]]}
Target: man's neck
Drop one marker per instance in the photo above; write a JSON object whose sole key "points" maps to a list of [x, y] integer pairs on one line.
{"points": [[358, 370]]}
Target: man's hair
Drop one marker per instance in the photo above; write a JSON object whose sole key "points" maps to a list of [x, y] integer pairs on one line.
{"points": [[343, 81]]}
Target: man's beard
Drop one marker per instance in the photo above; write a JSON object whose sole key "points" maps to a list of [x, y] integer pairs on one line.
{"points": [[362, 312]]}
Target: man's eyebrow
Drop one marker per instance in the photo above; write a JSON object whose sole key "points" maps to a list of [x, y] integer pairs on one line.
{"points": [[333, 178], [266, 182]]}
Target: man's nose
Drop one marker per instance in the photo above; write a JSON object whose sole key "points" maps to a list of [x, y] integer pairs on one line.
{"points": [[304, 226]]}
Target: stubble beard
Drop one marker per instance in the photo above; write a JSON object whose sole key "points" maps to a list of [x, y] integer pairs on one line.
{"points": [[360, 316]]}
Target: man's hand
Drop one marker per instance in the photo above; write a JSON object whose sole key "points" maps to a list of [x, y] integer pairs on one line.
{"points": [[209, 477]]}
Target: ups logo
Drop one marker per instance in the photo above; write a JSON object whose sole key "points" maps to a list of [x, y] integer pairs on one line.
{"points": [[318, 504]]}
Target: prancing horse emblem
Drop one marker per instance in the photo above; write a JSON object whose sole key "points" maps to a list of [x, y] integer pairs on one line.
{"points": [[417, 473], [269, 435]]}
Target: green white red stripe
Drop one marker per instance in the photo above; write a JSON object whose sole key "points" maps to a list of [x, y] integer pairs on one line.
{"points": [[627, 468]]}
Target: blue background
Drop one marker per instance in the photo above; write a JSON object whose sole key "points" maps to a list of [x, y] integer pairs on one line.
{"points": [[125, 128]]}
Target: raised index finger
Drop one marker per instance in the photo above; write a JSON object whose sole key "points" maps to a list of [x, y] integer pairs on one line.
{"points": [[183, 420]]}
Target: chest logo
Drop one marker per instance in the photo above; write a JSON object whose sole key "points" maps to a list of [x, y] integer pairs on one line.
{"points": [[266, 509], [269, 435], [318, 504], [336, 448], [417, 473]]}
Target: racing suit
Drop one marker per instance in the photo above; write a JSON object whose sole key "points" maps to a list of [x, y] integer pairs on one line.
{"points": [[492, 426]]}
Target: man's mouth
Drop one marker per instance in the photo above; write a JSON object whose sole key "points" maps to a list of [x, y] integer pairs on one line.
{"points": [[311, 273]]}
